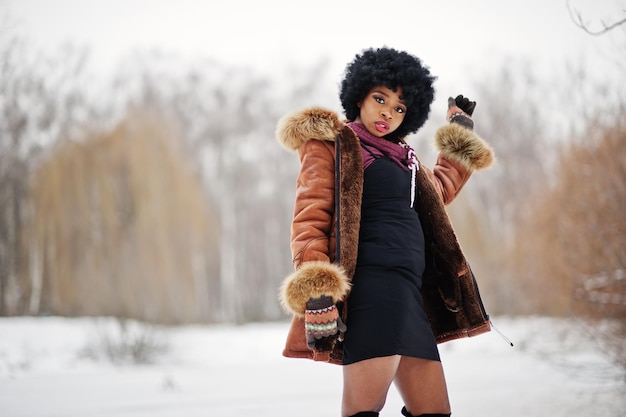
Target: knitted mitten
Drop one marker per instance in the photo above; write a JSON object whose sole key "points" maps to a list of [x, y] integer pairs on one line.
{"points": [[322, 323]]}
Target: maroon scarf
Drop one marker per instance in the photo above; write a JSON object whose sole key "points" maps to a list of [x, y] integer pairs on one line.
{"points": [[400, 153]]}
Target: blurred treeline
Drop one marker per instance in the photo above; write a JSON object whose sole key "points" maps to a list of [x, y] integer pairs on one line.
{"points": [[162, 194]]}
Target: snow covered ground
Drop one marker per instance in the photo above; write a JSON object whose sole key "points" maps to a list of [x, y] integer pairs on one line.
{"points": [[50, 367]]}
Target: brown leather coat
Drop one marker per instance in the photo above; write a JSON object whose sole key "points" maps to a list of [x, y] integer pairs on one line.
{"points": [[325, 260]]}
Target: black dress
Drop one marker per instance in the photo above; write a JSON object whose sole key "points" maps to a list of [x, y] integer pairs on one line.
{"points": [[385, 308]]}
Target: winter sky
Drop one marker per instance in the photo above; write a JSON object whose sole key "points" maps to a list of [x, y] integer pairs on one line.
{"points": [[455, 37]]}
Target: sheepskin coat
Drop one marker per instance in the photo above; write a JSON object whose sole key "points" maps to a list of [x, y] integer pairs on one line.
{"points": [[325, 227]]}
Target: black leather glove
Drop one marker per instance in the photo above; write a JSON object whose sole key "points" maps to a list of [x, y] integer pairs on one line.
{"points": [[322, 323], [460, 110]]}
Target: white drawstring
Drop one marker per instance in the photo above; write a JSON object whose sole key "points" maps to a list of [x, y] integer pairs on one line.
{"points": [[413, 174], [413, 166]]}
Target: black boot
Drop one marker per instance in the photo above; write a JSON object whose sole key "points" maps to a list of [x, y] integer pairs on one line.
{"points": [[405, 413], [365, 414]]}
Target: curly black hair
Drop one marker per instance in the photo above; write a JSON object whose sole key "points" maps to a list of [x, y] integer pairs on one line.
{"points": [[390, 68]]}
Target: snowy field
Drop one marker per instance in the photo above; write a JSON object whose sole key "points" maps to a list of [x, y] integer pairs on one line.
{"points": [[52, 367]]}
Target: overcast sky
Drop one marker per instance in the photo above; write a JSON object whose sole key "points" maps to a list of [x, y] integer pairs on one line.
{"points": [[453, 37]]}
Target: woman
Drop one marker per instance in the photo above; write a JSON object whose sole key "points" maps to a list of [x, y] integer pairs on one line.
{"points": [[379, 276]]}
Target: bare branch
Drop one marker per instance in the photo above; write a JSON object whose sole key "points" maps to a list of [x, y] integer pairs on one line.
{"points": [[578, 21]]}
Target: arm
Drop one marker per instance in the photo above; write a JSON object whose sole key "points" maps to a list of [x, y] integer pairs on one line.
{"points": [[461, 151], [315, 276], [314, 204]]}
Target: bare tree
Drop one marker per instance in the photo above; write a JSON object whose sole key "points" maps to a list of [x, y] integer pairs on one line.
{"points": [[576, 233], [40, 98], [124, 228]]}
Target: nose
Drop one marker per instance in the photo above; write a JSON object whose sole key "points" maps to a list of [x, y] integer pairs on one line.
{"points": [[385, 114]]}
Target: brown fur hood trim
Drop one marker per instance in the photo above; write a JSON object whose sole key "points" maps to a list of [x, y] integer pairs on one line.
{"points": [[296, 128], [458, 142], [313, 279]]}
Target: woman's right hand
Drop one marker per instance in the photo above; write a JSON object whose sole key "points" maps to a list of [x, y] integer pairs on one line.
{"points": [[322, 323]]}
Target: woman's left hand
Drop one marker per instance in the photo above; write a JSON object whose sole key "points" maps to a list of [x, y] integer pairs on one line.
{"points": [[460, 110]]}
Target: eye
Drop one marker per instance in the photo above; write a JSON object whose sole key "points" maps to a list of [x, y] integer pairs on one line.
{"points": [[379, 99], [400, 109]]}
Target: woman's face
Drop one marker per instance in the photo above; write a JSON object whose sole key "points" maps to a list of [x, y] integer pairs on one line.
{"points": [[382, 111]]}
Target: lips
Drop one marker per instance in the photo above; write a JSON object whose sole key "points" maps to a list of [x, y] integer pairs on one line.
{"points": [[381, 126]]}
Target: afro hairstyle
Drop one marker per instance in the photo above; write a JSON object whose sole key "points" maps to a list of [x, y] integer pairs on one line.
{"points": [[393, 69]]}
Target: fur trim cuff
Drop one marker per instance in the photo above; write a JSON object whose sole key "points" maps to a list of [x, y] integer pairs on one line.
{"points": [[458, 142], [296, 128], [312, 280]]}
